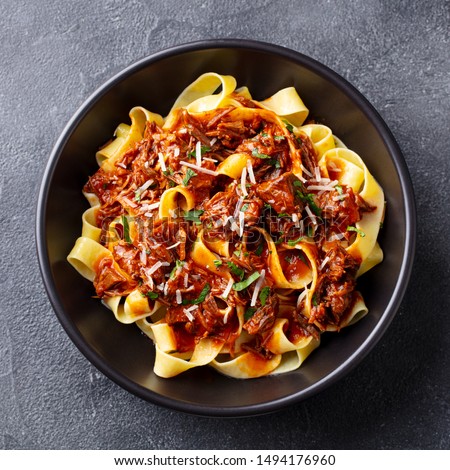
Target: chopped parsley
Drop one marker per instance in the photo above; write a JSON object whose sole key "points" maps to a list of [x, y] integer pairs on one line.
{"points": [[236, 270], [259, 250], [189, 174], [178, 265], [350, 228], [203, 149], [238, 286], [289, 126], [217, 262], [314, 299], [200, 298], [278, 137], [294, 242], [339, 189], [126, 229], [249, 313], [263, 156], [264, 294], [152, 295], [245, 207], [193, 216], [308, 199], [237, 253]]}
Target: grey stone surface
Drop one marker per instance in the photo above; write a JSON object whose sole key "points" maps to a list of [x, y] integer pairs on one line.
{"points": [[54, 54]]}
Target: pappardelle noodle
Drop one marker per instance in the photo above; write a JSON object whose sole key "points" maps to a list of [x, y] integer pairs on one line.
{"points": [[231, 232]]}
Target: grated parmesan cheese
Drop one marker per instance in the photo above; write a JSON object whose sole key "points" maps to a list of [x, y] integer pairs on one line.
{"points": [[178, 296], [302, 296], [243, 181], [199, 168], [241, 223], [154, 268], [146, 185], [162, 162], [198, 153], [311, 215], [227, 290], [143, 256], [129, 202], [336, 236], [238, 207], [324, 262], [174, 245], [308, 173], [257, 288], [317, 173], [251, 173]]}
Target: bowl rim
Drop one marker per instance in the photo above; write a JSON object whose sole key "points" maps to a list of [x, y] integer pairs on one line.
{"points": [[405, 269]]}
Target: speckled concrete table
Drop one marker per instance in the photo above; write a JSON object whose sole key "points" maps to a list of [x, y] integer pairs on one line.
{"points": [[53, 55]]}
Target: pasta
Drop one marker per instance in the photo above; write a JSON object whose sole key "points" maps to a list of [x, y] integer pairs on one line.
{"points": [[231, 232]]}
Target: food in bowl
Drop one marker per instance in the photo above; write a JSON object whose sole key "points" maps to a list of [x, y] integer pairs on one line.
{"points": [[231, 232]]}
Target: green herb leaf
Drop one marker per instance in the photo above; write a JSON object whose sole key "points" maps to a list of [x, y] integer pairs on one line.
{"points": [[264, 294], [137, 196], [274, 162], [244, 207], [203, 149], [238, 286], [193, 215], [289, 126], [298, 184], [249, 313], [350, 228], [256, 154], [294, 242], [236, 270], [152, 295], [339, 189], [217, 262], [178, 265], [126, 229], [283, 214], [308, 199], [168, 172], [259, 250], [279, 137], [237, 253], [200, 298], [314, 299], [189, 174]]}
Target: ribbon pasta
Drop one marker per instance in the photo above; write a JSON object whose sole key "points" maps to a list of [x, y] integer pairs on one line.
{"points": [[231, 231]]}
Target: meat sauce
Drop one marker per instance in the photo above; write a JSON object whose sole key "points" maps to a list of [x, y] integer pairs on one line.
{"points": [[278, 202]]}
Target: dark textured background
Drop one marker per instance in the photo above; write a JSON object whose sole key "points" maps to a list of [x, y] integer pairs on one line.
{"points": [[53, 55]]}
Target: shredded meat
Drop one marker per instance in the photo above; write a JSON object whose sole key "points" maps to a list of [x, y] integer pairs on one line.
{"points": [[335, 288], [341, 209], [264, 317], [279, 193], [110, 282]]}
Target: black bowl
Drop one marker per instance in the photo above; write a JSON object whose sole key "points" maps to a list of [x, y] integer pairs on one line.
{"points": [[122, 352]]}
